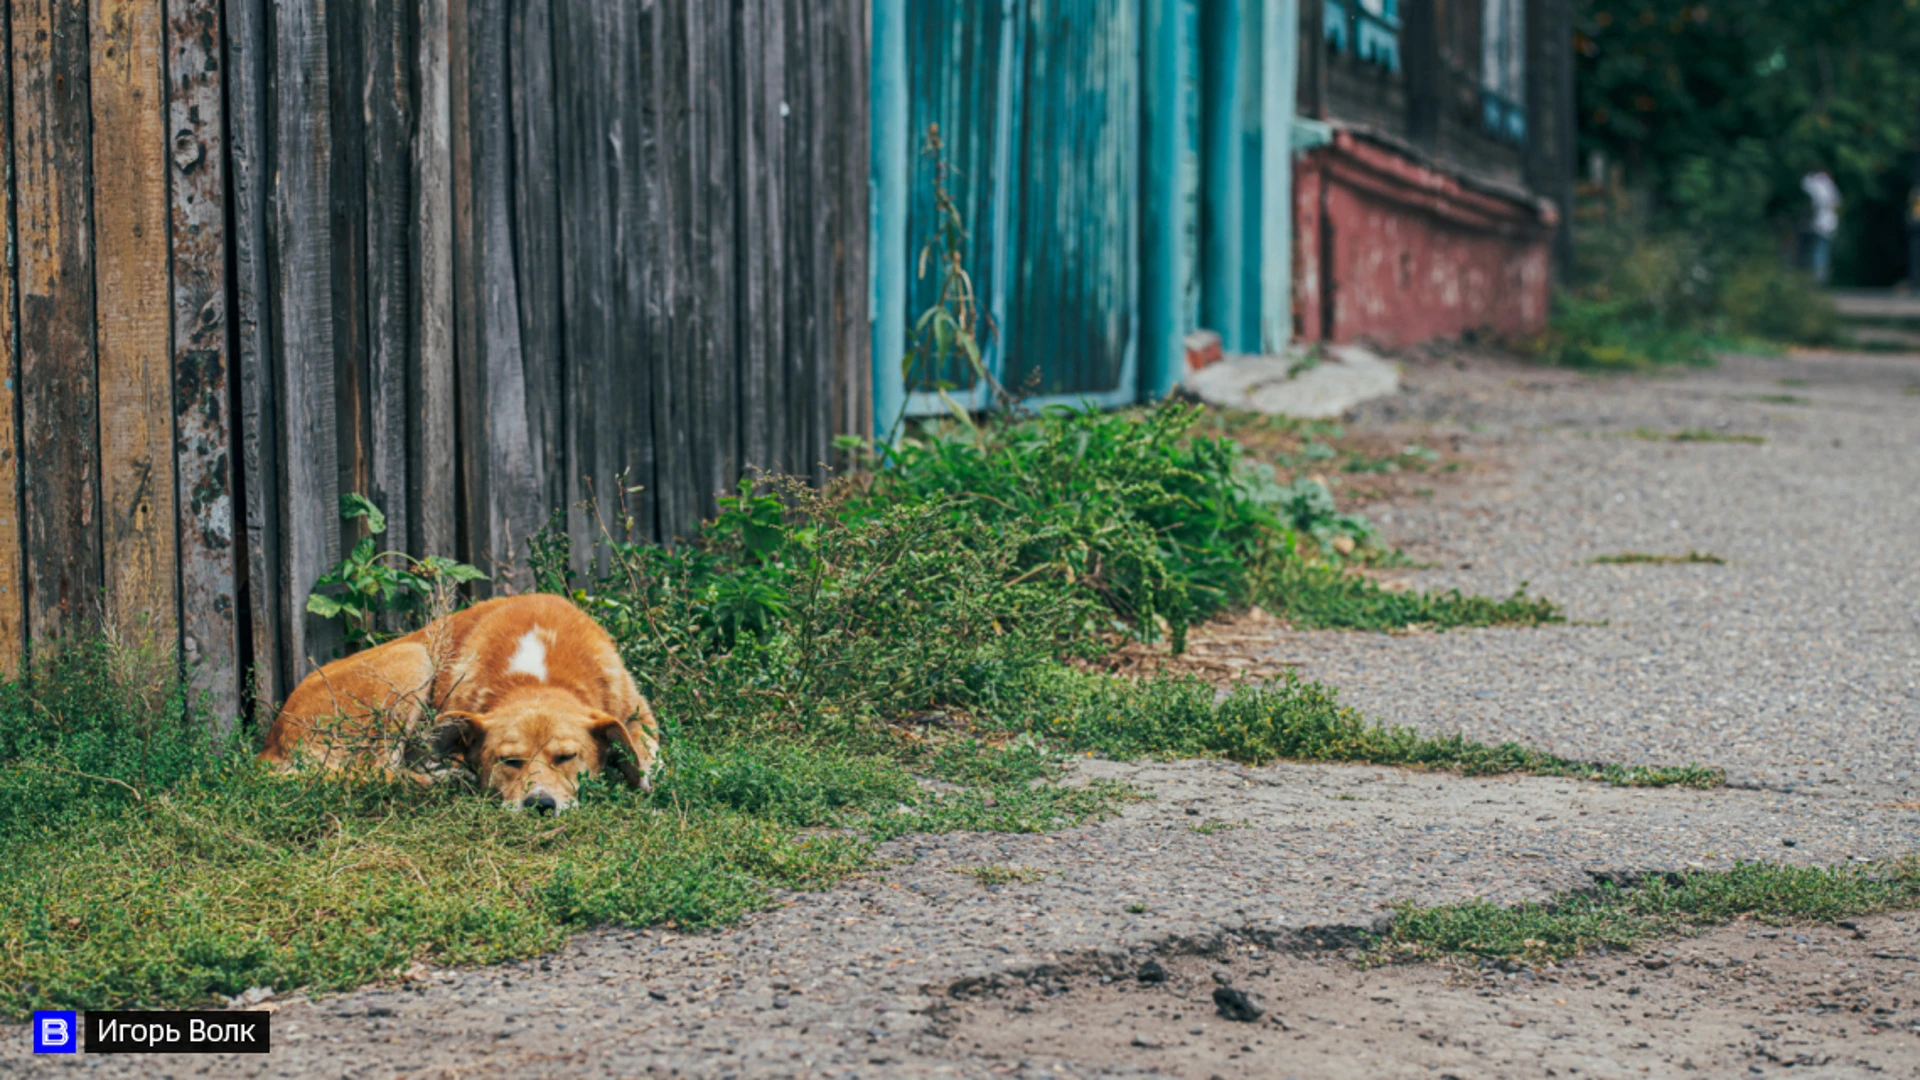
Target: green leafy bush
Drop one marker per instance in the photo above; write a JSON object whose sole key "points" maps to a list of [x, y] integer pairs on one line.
{"points": [[1646, 297], [378, 595]]}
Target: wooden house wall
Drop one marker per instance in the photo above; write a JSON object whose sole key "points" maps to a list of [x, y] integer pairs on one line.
{"points": [[476, 259]]}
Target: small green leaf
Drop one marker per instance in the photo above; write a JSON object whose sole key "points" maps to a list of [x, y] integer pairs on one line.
{"points": [[959, 412], [322, 605], [971, 349], [355, 505], [944, 329]]}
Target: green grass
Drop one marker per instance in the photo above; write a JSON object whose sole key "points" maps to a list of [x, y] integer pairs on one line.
{"points": [[1795, 384], [1414, 457], [1294, 720], [1632, 558], [1213, 826], [1661, 906], [1326, 598], [1781, 399], [1692, 435], [150, 864], [233, 877]]}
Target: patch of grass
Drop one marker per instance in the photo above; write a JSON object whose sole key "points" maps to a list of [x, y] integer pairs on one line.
{"points": [[1325, 598], [1795, 384], [1414, 457], [1630, 558], [1913, 390], [1136, 909], [1214, 825], [1662, 905], [148, 864], [990, 874], [1288, 719], [1781, 399], [1693, 435], [800, 649]]}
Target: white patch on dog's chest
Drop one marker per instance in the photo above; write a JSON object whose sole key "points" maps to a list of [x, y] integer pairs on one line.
{"points": [[530, 657]]}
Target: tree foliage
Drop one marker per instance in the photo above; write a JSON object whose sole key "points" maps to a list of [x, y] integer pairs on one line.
{"points": [[1719, 108]]}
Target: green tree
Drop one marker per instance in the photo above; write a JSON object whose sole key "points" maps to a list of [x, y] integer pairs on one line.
{"points": [[1719, 108]]}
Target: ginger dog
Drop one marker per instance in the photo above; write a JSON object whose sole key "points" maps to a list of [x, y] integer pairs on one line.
{"points": [[528, 690]]}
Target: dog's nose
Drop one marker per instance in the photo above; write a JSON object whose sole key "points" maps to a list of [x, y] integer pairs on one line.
{"points": [[539, 801]]}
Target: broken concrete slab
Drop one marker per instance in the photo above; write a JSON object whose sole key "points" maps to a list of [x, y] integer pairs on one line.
{"points": [[1303, 383]]}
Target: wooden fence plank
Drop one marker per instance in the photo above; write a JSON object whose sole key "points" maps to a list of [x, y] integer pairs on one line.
{"points": [[643, 417], [13, 592], [504, 509], [536, 241], [762, 445], [431, 429], [809, 52], [386, 56], [470, 469], [246, 53], [133, 304], [347, 223], [303, 343], [806, 142], [847, 70], [702, 145], [59, 418], [586, 105], [712, 206], [203, 427]]}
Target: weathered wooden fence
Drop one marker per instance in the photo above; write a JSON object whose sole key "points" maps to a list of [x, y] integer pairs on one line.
{"points": [[477, 259]]}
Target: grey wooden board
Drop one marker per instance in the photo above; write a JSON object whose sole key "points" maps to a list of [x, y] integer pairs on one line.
{"points": [[430, 435], [54, 265], [386, 55], [247, 51], [303, 345], [205, 431]]}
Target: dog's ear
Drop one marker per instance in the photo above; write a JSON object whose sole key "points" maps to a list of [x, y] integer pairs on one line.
{"points": [[617, 742], [457, 733]]}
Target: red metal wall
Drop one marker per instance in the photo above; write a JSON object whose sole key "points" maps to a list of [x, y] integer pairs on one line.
{"points": [[1393, 251]]}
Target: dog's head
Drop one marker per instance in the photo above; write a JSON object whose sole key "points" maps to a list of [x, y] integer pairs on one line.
{"points": [[533, 751]]}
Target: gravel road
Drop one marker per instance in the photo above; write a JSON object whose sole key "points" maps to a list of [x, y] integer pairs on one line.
{"points": [[1795, 666]]}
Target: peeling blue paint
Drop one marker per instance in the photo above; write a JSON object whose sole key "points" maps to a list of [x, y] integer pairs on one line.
{"points": [[1072, 321], [1073, 128]]}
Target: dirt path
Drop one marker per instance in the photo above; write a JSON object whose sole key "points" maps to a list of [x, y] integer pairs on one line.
{"points": [[1797, 666]]}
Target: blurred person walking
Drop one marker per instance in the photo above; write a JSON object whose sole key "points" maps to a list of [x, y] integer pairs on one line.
{"points": [[1825, 196]]}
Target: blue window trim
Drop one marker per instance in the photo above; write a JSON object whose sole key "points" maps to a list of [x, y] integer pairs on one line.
{"points": [[1503, 118], [1350, 28]]}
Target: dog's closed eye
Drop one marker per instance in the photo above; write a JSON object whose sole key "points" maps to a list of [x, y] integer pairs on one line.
{"points": [[564, 758], [511, 762]]}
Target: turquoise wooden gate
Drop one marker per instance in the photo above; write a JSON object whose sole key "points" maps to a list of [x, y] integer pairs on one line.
{"points": [[1072, 129], [1039, 105]]}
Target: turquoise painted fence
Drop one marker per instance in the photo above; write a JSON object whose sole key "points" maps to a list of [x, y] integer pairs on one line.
{"points": [[1073, 132]]}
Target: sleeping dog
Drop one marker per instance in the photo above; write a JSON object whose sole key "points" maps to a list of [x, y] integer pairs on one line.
{"points": [[528, 690]]}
